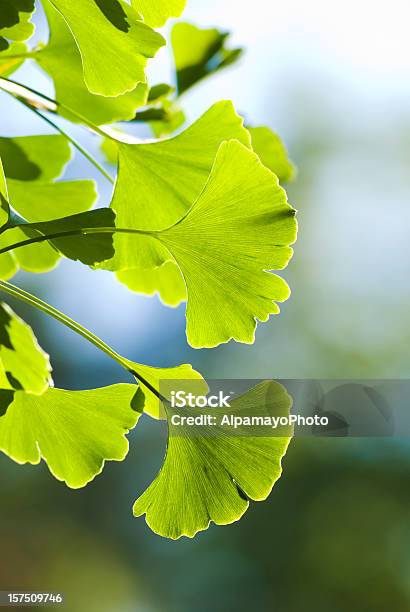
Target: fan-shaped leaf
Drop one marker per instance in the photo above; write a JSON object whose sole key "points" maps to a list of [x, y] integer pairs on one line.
{"points": [[209, 474], [113, 42], [70, 88], [199, 53], [157, 183], [75, 432], [240, 227], [34, 158]]}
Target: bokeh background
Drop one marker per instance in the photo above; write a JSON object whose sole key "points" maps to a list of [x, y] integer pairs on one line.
{"points": [[334, 80]]}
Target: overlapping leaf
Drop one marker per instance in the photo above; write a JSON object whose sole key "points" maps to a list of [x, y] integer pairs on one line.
{"points": [[10, 58], [31, 164], [4, 198], [70, 88], [272, 153], [23, 364], [157, 13], [166, 281], [15, 23], [114, 43], [210, 474], [157, 183], [199, 53], [75, 432], [240, 227]]}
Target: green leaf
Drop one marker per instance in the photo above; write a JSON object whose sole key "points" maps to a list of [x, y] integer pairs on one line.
{"points": [[15, 23], [166, 281], [198, 53], [272, 153], [172, 119], [8, 60], [157, 13], [210, 476], [34, 158], [113, 42], [159, 92], [158, 182], [240, 227], [89, 248], [38, 201], [23, 364], [75, 432], [151, 381], [69, 84], [4, 198]]}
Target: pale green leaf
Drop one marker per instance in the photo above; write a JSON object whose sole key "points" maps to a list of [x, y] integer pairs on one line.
{"points": [[152, 381], [69, 84], [15, 23], [38, 201], [23, 364], [272, 153], [75, 432], [240, 227], [166, 281], [113, 42], [34, 158], [158, 182], [158, 12], [199, 53], [210, 475]]}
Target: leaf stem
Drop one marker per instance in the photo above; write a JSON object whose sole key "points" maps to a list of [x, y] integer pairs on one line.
{"points": [[34, 301], [78, 232], [74, 142], [79, 329], [55, 103]]}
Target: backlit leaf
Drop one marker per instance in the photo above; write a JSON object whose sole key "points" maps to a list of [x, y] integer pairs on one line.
{"points": [[240, 227], [210, 475], [15, 23], [23, 364], [38, 201], [113, 42], [68, 78], [272, 153], [158, 182], [199, 53], [8, 60], [157, 13], [34, 158], [75, 432], [166, 281], [4, 198]]}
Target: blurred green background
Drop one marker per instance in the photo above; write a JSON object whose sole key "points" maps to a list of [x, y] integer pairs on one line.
{"points": [[334, 80]]}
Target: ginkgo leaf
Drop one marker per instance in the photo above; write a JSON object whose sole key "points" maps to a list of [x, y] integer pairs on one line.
{"points": [[4, 198], [158, 182], [210, 474], [70, 88], [199, 53], [75, 432], [15, 23], [35, 158], [166, 281], [113, 42], [10, 58], [272, 153], [157, 13], [23, 364], [240, 227], [41, 202], [151, 381]]}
